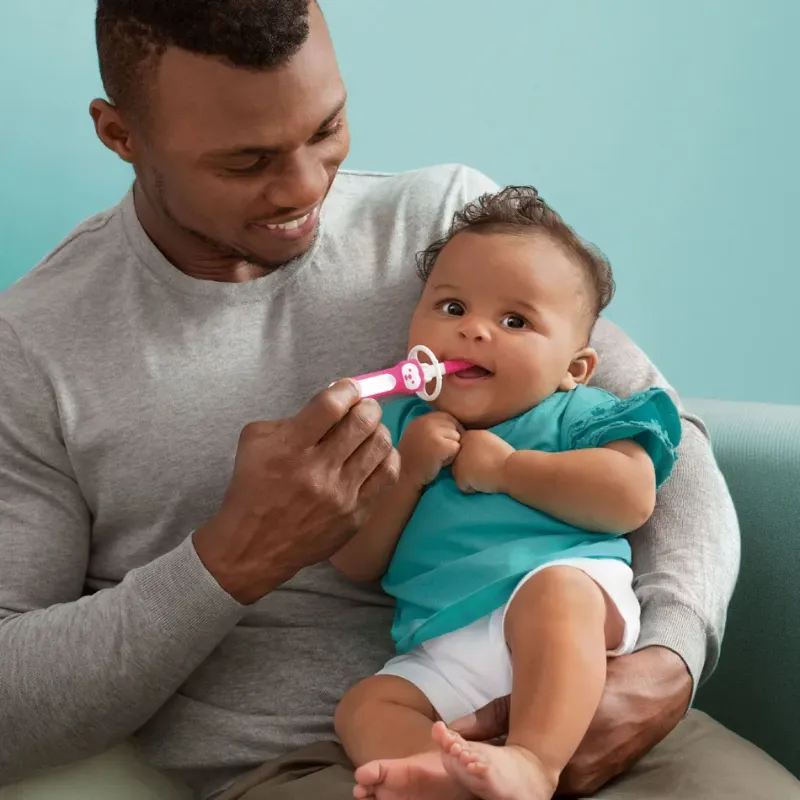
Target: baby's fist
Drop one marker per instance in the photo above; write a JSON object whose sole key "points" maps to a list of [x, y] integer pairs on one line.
{"points": [[430, 443], [480, 463]]}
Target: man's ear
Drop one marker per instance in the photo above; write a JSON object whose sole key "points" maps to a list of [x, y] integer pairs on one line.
{"points": [[111, 129], [581, 369]]}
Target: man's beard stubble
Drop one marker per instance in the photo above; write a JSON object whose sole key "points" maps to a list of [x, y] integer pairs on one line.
{"points": [[218, 249]]}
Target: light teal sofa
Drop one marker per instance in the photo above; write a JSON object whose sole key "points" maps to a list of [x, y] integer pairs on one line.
{"points": [[756, 689]]}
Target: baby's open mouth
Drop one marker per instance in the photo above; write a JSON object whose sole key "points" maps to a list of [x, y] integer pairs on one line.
{"points": [[473, 372]]}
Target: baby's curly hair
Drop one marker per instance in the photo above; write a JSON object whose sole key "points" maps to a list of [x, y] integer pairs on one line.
{"points": [[520, 210]]}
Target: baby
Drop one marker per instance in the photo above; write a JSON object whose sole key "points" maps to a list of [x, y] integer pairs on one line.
{"points": [[502, 541]]}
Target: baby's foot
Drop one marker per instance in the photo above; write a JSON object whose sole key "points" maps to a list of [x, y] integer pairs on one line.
{"points": [[494, 773], [420, 777]]}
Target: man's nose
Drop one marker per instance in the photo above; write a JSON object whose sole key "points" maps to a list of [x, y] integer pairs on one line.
{"points": [[302, 182], [475, 328]]}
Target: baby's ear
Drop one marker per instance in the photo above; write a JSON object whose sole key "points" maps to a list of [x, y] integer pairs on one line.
{"points": [[580, 370]]}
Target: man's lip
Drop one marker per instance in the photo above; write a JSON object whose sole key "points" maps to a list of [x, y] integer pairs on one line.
{"points": [[293, 233]]}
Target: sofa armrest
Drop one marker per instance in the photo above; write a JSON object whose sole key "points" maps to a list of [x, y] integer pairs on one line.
{"points": [[756, 688]]}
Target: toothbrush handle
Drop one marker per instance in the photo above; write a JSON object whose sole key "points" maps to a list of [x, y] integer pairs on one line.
{"points": [[407, 377], [378, 384], [403, 378]]}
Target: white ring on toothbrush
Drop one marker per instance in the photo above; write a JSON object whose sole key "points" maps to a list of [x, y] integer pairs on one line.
{"points": [[423, 393]]}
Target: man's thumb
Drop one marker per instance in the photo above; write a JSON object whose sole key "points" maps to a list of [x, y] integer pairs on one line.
{"points": [[487, 723], [465, 726]]}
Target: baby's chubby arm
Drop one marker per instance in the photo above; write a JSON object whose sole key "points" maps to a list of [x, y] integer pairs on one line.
{"points": [[367, 555], [429, 443], [610, 489]]}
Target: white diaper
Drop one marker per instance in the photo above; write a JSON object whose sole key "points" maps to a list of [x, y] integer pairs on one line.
{"points": [[462, 671]]}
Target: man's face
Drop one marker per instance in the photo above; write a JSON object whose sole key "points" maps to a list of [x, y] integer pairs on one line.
{"points": [[241, 161]]}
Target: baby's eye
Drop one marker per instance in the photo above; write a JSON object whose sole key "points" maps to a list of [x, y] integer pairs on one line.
{"points": [[514, 321], [452, 308]]}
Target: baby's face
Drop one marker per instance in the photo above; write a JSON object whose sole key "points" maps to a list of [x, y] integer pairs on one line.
{"points": [[514, 305]]}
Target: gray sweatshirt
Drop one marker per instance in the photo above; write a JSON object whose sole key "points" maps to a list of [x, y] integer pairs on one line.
{"points": [[124, 384]]}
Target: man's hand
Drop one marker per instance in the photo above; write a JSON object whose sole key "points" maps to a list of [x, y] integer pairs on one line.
{"points": [[300, 488], [481, 462], [429, 443], [646, 696]]}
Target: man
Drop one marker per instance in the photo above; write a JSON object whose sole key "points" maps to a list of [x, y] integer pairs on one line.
{"points": [[158, 582]]}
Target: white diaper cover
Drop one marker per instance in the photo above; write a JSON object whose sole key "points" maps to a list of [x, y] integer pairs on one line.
{"points": [[465, 670]]}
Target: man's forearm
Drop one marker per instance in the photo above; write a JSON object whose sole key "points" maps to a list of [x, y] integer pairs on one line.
{"points": [[686, 559], [79, 677]]}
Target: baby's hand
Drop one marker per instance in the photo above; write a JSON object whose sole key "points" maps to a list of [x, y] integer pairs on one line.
{"points": [[428, 444], [480, 463]]}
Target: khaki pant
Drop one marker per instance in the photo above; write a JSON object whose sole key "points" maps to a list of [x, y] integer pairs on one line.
{"points": [[699, 760]]}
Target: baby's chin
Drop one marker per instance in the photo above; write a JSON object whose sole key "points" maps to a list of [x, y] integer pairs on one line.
{"points": [[478, 412], [464, 411]]}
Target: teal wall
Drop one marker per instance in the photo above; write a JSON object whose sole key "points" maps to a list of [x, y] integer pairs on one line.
{"points": [[53, 170], [666, 130]]}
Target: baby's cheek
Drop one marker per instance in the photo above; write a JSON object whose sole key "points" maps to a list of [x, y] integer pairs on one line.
{"points": [[422, 331], [523, 381]]}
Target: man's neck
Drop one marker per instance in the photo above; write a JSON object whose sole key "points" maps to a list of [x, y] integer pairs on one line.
{"points": [[187, 253]]}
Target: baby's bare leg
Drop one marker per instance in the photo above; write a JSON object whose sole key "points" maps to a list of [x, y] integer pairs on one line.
{"points": [[384, 724], [384, 717], [559, 628]]}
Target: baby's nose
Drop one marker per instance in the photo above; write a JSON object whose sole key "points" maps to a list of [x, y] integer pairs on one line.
{"points": [[476, 329]]}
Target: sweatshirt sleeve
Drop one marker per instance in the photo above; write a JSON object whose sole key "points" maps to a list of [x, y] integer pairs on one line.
{"points": [[80, 673], [686, 559]]}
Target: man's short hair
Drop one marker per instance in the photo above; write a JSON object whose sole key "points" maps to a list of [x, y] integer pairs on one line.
{"points": [[132, 35]]}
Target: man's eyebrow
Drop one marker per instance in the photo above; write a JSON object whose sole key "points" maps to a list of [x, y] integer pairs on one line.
{"points": [[332, 116], [258, 150]]}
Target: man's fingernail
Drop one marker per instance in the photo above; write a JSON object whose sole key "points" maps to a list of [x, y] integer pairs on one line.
{"points": [[350, 386], [371, 409]]}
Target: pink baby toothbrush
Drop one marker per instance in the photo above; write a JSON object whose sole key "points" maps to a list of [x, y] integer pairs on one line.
{"points": [[410, 376]]}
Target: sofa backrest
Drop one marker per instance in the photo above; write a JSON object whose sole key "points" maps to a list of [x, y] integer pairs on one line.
{"points": [[756, 689]]}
